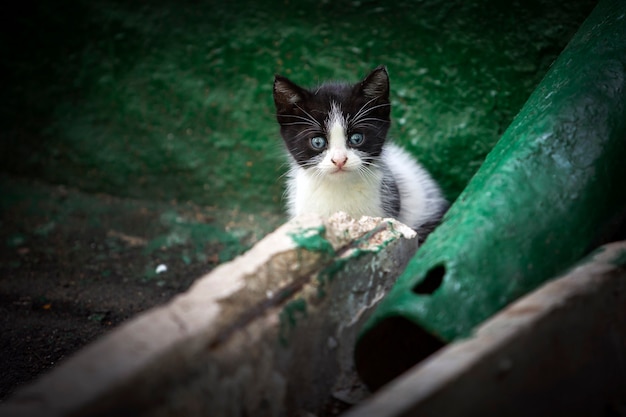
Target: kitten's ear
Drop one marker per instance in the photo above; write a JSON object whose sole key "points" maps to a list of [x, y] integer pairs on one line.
{"points": [[376, 84], [286, 93]]}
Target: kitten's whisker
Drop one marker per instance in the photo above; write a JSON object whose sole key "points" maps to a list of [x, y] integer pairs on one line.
{"points": [[295, 116], [311, 117], [374, 119], [370, 125], [371, 163], [369, 109], [363, 111], [358, 113], [311, 130], [305, 121], [368, 175]]}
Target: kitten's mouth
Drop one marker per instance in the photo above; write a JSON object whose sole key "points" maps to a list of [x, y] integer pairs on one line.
{"points": [[335, 173]]}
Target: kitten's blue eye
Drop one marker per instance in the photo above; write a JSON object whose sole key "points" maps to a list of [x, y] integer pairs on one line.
{"points": [[318, 142], [356, 139]]}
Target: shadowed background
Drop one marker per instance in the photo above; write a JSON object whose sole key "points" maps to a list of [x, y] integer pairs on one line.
{"points": [[139, 134]]}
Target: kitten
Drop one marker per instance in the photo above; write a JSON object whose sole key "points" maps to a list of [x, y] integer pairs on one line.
{"points": [[340, 160]]}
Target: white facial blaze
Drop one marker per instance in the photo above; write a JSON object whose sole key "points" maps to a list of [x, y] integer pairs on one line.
{"points": [[336, 128]]}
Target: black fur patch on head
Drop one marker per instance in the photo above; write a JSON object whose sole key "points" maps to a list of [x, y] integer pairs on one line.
{"points": [[302, 113]]}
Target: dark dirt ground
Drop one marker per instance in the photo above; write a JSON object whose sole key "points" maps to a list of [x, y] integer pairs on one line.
{"points": [[75, 265]]}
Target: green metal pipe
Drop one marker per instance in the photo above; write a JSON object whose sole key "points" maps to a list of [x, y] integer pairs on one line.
{"points": [[548, 193]]}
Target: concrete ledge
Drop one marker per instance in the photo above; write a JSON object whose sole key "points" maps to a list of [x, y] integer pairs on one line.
{"points": [[270, 333], [559, 351]]}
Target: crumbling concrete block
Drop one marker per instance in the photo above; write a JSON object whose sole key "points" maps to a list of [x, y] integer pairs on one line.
{"points": [[269, 334]]}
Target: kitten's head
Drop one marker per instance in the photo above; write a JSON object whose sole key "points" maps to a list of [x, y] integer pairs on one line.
{"points": [[336, 128]]}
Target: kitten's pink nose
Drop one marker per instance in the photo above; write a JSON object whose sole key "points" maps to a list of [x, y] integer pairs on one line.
{"points": [[339, 161]]}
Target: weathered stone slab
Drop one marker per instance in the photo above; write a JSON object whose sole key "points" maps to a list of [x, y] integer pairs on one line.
{"points": [[559, 351], [270, 333]]}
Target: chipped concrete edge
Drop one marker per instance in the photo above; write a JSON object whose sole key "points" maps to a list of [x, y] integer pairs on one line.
{"points": [[556, 351], [239, 303]]}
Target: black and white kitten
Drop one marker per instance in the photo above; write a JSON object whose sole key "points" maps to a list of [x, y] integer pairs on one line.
{"points": [[340, 161]]}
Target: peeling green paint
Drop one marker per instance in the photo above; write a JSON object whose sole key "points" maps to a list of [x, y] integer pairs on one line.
{"points": [[289, 316], [326, 275], [353, 251], [313, 239]]}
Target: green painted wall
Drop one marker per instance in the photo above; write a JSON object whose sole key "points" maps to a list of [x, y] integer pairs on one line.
{"points": [[172, 100]]}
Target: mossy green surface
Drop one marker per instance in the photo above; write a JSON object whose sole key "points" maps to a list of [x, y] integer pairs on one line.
{"points": [[172, 100]]}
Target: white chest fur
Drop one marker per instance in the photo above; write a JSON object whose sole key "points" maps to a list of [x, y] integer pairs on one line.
{"points": [[309, 191], [350, 192]]}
